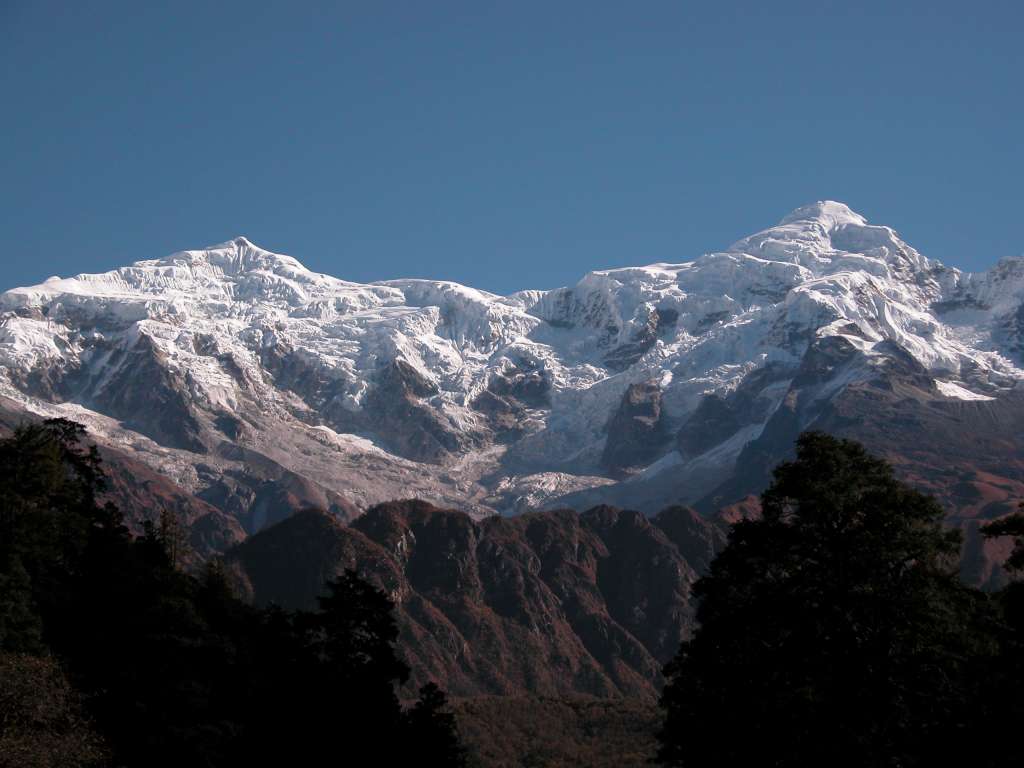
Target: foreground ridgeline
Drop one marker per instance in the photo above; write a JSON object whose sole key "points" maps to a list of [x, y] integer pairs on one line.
{"points": [[110, 654], [546, 603], [831, 628]]}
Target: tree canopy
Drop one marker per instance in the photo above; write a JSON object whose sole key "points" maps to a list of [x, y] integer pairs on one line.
{"points": [[172, 669], [832, 631]]}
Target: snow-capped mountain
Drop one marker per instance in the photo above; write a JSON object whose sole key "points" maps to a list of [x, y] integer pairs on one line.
{"points": [[256, 384]]}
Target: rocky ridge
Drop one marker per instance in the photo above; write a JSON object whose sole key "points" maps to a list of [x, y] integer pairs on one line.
{"points": [[545, 603]]}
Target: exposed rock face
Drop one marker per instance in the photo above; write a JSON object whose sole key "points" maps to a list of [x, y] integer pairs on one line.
{"points": [[720, 417], [637, 433], [150, 396], [697, 539], [412, 426], [638, 344], [1011, 331], [545, 603], [528, 387], [511, 400], [645, 580]]}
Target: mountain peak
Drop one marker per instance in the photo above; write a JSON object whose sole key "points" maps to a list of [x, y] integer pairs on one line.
{"points": [[237, 256], [818, 234], [428, 388], [830, 213]]}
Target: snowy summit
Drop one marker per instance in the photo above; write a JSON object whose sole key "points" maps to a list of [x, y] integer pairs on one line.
{"points": [[230, 360]]}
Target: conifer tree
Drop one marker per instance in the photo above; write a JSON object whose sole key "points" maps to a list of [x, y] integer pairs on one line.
{"points": [[432, 730], [999, 705], [21, 629], [174, 668], [833, 631], [171, 534]]}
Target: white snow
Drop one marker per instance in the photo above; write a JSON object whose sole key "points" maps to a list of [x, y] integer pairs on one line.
{"points": [[951, 389], [823, 271]]}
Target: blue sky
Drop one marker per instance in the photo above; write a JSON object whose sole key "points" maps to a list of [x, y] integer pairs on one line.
{"points": [[501, 144]]}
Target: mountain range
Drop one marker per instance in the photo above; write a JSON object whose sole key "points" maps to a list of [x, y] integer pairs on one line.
{"points": [[237, 387]]}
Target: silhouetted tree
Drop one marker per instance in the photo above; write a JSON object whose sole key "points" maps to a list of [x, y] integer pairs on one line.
{"points": [[833, 631], [431, 728], [48, 518], [354, 631], [1012, 525], [337, 669], [999, 705], [21, 629], [171, 534], [174, 669]]}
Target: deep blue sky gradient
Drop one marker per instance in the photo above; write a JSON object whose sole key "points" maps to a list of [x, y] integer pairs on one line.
{"points": [[505, 145]]}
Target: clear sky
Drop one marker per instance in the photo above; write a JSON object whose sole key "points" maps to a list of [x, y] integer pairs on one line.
{"points": [[505, 145]]}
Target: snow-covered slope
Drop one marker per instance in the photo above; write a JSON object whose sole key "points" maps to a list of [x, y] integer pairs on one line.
{"points": [[221, 365]]}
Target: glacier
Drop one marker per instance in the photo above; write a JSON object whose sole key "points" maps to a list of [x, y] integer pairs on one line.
{"points": [[212, 364]]}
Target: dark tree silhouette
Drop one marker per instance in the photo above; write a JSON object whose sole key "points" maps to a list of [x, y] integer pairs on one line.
{"points": [[21, 629], [173, 668], [833, 631], [340, 684], [431, 727], [1012, 525], [999, 706], [48, 516], [355, 631]]}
